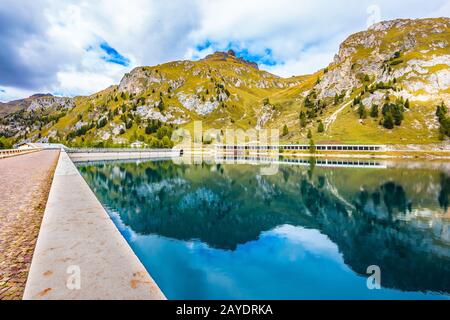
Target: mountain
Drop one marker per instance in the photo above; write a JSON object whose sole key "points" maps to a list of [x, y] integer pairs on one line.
{"points": [[383, 86], [401, 59], [18, 105], [19, 118]]}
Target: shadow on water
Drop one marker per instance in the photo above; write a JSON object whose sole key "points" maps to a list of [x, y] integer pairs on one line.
{"points": [[395, 218]]}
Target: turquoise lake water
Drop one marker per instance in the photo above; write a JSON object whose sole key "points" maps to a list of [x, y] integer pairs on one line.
{"points": [[228, 231]]}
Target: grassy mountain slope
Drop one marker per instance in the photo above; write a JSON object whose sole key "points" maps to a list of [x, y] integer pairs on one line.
{"points": [[399, 68]]}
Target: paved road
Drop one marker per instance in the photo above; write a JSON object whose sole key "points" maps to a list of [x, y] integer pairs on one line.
{"points": [[25, 182]]}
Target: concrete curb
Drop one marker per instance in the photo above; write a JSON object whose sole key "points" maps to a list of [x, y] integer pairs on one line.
{"points": [[80, 254], [16, 152], [92, 156]]}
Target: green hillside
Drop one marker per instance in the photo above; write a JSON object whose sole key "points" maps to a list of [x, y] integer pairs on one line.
{"points": [[383, 86]]}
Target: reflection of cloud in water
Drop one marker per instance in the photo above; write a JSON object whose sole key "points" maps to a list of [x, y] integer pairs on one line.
{"points": [[126, 231], [285, 263], [277, 255], [311, 239]]}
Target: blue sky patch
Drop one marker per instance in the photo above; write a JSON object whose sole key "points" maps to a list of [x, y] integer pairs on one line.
{"points": [[204, 45], [112, 56], [2, 90], [265, 58]]}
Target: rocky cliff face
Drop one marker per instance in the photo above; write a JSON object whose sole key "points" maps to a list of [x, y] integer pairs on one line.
{"points": [[34, 113], [47, 102], [413, 53], [139, 79]]}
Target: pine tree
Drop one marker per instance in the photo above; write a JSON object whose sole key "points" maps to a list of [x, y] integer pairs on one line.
{"points": [[362, 113], [320, 128], [148, 129], [441, 112], [285, 130], [336, 99], [388, 121], [398, 115], [161, 105], [307, 103], [302, 119], [309, 135], [312, 146], [374, 111], [101, 123], [407, 104], [444, 121]]}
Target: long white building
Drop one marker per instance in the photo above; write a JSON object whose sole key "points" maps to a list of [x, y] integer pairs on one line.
{"points": [[303, 147]]}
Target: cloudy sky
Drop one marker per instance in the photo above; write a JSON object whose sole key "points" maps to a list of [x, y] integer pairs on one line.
{"points": [[80, 47]]}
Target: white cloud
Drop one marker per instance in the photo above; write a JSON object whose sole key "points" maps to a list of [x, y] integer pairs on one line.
{"points": [[305, 64], [11, 93], [443, 11], [84, 83], [308, 60], [310, 239], [47, 51]]}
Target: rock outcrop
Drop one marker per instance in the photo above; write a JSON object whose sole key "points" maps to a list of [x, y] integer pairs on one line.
{"points": [[414, 53], [230, 55]]}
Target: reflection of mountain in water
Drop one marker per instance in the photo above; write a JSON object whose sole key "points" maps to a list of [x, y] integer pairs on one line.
{"points": [[388, 218]]}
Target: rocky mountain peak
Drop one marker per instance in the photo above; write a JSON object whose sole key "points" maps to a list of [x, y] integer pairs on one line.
{"points": [[230, 55], [402, 23], [412, 52], [40, 95]]}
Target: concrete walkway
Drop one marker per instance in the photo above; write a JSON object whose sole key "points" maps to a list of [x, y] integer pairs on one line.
{"points": [[98, 155], [24, 185], [79, 253]]}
